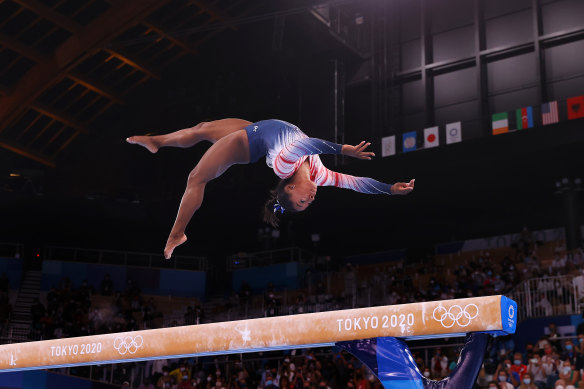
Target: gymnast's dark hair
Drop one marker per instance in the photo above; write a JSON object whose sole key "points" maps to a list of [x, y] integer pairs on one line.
{"points": [[279, 195]]}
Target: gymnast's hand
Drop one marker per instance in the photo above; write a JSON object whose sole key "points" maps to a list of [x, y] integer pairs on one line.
{"points": [[358, 151], [401, 188]]}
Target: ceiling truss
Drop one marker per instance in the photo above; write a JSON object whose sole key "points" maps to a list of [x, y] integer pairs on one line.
{"points": [[64, 68]]}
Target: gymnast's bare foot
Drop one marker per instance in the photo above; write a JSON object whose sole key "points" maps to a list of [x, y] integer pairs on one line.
{"points": [[145, 141], [172, 243]]}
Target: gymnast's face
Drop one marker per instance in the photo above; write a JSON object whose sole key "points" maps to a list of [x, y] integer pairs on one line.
{"points": [[301, 194]]}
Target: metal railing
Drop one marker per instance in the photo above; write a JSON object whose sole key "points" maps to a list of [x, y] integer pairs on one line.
{"points": [[548, 296], [270, 257], [124, 258]]}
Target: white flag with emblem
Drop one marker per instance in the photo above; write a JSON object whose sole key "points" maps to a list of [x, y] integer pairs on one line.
{"points": [[453, 133], [431, 137], [388, 146]]}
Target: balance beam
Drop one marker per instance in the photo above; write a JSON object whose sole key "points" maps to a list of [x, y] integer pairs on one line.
{"points": [[493, 314]]}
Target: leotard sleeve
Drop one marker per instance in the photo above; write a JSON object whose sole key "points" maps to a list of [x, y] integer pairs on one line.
{"points": [[292, 155], [325, 177]]}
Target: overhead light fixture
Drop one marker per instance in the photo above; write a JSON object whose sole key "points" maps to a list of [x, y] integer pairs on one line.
{"points": [[14, 175]]}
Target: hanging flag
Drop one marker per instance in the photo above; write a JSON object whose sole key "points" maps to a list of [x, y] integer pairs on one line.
{"points": [[453, 132], [388, 146], [431, 137], [524, 117], [500, 123], [575, 107], [549, 113], [409, 141]]}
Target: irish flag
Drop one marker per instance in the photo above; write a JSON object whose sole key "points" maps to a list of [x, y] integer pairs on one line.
{"points": [[500, 123], [524, 117]]}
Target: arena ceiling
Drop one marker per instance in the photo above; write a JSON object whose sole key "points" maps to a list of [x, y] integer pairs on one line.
{"points": [[62, 65]]}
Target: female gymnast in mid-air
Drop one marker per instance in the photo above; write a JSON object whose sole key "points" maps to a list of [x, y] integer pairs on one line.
{"points": [[292, 155]]}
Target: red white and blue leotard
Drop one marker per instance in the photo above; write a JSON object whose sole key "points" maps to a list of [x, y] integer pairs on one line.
{"points": [[286, 148]]}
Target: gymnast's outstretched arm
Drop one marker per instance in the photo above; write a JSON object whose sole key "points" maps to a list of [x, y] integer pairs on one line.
{"points": [[227, 151], [325, 177]]}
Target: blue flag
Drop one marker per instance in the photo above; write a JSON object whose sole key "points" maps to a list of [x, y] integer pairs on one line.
{"points": [[409, 141]]}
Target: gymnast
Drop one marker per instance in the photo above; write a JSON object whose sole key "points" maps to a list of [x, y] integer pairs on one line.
{"points": [[289, 152]]}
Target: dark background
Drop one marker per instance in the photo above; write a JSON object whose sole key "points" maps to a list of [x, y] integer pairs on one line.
{"points": [[404, 66]]}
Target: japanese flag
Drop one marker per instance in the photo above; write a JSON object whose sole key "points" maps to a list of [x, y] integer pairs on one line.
{"points": [[431, 137], [388, 146]]}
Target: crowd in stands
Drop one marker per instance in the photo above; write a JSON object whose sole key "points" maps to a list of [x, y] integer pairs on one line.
{"points": [[310, 370], [69, 311], [550, 362]]}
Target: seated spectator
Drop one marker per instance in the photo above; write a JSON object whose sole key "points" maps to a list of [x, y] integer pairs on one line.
{"points": [[542, 306], [579, 347], [537, 371], [561, 384], [559, 262], [568, 375], [165, 380], [360, 381], [284, 382], [269, 382], [493, 385], [149, 313], [569, 351], [504, 379], [272, 305], [190, 318], [299, 306], [578, 257], [188, 384], [518, 369], [439, 364], [37, 311], [180, 372], [199, 314], [107, 286], [553, 337], [426, 373], [527, 382]]}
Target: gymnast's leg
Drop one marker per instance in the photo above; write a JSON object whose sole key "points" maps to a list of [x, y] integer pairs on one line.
{"points": [[227, 151], [210, 131]]}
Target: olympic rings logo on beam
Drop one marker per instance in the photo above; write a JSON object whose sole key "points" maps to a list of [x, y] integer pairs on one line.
{"points": [[128, 344], [455, 315]]}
